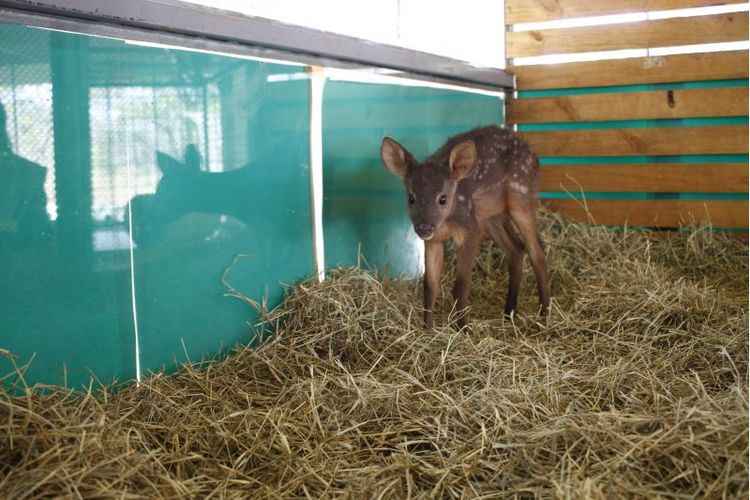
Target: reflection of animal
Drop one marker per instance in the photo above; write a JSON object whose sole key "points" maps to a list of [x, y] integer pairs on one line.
{"points": [[185, 189], [480, 183], [23, 211]]}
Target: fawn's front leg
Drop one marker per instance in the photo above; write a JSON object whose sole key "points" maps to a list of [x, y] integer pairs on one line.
{"points": [[433, 268], [466, 255]]}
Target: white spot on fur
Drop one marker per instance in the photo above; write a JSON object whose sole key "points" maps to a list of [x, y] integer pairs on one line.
{"points": [[520, 188], [461, 198]]}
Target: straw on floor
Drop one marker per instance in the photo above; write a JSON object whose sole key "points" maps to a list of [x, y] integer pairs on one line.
{"points": [[635, 387]]}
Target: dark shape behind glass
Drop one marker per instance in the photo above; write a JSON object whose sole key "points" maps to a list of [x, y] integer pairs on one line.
{"points": [[186, 189], [23, 213]]}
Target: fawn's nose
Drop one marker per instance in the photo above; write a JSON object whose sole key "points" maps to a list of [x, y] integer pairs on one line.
{"points": [[424, 231]]}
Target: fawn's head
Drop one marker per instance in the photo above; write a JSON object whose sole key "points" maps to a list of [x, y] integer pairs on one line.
{"points": [[431, 185]]}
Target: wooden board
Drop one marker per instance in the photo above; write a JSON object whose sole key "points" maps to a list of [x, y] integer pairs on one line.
{"points": [[724, 139], [649, 178], [526, 11], [631, 106], [639, 35], [654, 213], [659, 69]]}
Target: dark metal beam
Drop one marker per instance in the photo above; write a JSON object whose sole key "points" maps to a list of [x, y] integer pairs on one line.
{"points": [[252, 35]]}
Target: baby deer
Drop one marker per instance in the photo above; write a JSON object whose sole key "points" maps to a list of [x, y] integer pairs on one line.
{"points": [[478, 184]]}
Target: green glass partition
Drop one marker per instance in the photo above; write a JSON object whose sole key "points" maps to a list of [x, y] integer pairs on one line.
{"points": [[133, 176], [246, 194], [65, 295], [364, 205], [198, 157]]}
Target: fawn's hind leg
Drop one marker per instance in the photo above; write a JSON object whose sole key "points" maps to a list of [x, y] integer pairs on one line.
{"points": [[505, 236], [523, 212]]}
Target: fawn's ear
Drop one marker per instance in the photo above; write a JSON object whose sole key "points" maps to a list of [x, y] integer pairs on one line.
{"points": [[395, 157], [167, 164], [462, 159]]}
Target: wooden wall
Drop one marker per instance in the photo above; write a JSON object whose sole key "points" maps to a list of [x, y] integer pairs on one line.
{"points": [[655, 141]]}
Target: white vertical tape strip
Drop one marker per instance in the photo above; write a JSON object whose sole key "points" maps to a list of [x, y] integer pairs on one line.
{"points": [[129, 166], [317, 83]]}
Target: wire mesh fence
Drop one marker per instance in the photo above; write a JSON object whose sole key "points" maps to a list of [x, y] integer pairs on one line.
{"points": [[133, 112]]}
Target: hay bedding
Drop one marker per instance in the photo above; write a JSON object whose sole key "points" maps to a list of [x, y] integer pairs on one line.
{"points": [[636, 387]]}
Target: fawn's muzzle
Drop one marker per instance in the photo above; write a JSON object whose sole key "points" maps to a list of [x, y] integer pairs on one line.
{"points": [[424, 231]]}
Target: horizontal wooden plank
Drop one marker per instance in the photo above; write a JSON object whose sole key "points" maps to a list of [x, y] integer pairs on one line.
{"points": [[529, 11], [658, 69], [654, 213], [639, 35], [725, 139], [677, 103], [650, 178]]}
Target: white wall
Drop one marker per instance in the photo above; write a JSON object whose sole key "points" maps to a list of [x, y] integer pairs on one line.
{"points": [[470, 30]]}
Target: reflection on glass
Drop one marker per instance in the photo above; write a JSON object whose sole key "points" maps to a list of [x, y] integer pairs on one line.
{"points": [[62, 303], [200, 155], [126, 168], [128, 126], [185, 188], [23, 202]]}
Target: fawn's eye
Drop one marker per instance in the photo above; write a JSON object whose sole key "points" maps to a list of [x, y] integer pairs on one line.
{"points": [[411, 199], [443, 199]]}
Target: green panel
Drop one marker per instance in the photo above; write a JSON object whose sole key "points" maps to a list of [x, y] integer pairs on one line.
{"points": [[91, 114], [364, 206], [237, 183], [64, 259]]}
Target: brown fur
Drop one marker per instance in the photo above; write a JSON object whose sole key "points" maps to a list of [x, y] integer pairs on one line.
{"points": [[479, 184]]}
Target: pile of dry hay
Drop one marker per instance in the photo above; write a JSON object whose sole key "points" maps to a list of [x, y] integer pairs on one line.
{"points": [[636, 386]]}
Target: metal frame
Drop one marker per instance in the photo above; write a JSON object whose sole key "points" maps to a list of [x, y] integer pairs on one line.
{"points": [[178, 23]]}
